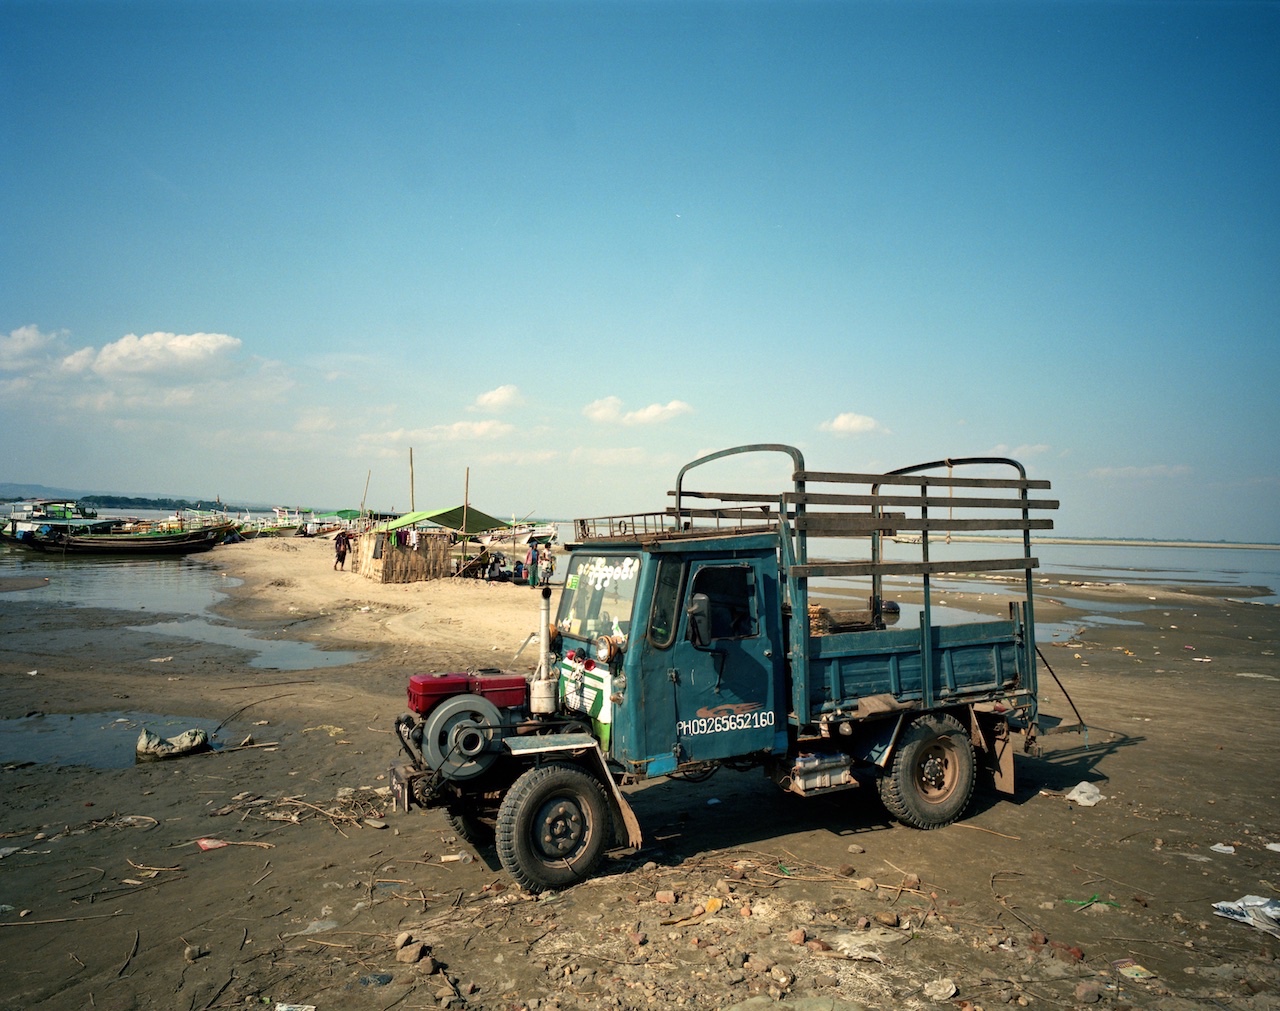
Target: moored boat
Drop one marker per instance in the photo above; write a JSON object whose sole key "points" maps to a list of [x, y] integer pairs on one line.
{"points": [[520, 533], [76, 541], [25, 518]]}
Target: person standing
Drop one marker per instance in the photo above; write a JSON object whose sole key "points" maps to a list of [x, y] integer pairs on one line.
{"points": [[341, 545], [531, 564]]}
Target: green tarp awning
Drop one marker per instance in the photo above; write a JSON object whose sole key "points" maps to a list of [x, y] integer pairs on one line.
{"points": [[452, 519]]}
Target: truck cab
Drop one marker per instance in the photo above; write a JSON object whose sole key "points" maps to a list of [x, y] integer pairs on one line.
{"points": [[702, 650]]}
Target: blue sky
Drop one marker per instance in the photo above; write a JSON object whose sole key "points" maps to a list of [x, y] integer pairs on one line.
{"points": [[262, 250]]}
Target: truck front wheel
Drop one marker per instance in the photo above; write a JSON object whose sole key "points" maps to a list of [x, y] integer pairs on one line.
{"points": [[553, 827], [930, 780], [471, 825]]}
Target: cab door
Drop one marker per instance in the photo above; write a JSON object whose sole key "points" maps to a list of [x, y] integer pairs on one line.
{"points": [[723, 664]]}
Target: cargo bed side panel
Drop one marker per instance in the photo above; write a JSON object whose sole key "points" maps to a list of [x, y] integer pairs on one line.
{"points": [[968, 661]]}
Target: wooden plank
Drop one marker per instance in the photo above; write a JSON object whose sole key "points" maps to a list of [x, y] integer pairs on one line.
{"points": [[728, 496], [743, 513], [841, 524], [910, 501], [868, 568], [919, 480]]}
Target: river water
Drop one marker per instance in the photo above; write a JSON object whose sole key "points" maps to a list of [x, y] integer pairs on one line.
{"points": [[180, 590], [184, 589]]}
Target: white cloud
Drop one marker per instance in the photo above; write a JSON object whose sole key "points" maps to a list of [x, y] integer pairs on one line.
{"points": [[154, 352], [532, 458], [472, 430], [852, 424], [79, 361], [456, 432], [1159, 470], [26, 347], [1023, 451], [315, 422], [498, 399], [608, 411]]}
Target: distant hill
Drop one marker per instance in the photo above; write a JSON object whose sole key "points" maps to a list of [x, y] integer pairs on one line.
{"points": [[11, 492]]}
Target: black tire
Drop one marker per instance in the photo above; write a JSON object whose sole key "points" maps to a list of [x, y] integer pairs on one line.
{"points": [[930, 781], [472, 826], [553, 827]]}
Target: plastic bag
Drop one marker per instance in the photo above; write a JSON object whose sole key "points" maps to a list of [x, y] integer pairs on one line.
{"points": [[1085, 794]]}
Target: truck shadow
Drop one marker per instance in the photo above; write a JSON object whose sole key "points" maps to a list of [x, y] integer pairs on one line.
{"points": [[735, 810], [741, 810], [1068, 759]]}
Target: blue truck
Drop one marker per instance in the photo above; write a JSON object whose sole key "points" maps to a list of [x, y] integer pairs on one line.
{"points": [[711, 633]]}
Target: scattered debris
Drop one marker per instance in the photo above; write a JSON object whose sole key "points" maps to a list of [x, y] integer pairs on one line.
{"points": [[1253, 911], [217, 844], [940, 989], [151, 745], [1130, 969]]}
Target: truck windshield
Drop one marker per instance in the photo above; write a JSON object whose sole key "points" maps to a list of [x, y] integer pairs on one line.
{"points": [[599, 591]]}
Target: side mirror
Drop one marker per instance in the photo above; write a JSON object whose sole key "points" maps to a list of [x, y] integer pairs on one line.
{"points": [[699, 612]]}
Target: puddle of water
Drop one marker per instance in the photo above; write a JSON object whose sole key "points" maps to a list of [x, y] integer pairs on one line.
{"points": [[271, 654], [98, 740], [163, 585]]}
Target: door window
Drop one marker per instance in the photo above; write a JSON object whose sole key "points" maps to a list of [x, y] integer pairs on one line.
{"points": [[666, 598], [731, 599]]}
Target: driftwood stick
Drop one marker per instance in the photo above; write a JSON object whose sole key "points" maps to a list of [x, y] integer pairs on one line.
{"points": [[1103, 877], [144, 867], [133, 951], [63, 919], [979, 828]]}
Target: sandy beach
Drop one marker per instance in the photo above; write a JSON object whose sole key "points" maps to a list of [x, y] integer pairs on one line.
{"points": [[109, 901]]}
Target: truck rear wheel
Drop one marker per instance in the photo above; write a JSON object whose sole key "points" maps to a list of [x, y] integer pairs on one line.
{"points": [[553, 827], [930, 780]]}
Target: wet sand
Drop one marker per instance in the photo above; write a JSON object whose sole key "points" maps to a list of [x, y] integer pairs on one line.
{"points": [[114, 905]]}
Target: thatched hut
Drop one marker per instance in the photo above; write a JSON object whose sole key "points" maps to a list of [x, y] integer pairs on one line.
{"points": [[405, 551]]}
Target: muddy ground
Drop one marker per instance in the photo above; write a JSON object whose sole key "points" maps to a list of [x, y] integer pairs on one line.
{"points": [[740, 894]]}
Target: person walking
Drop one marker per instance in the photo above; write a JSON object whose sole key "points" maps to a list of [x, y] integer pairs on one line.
{"points": [[341, 545]]}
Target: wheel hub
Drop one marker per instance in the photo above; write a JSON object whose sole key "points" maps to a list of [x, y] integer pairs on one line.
{"points": [[561, 827], [934, 774]]}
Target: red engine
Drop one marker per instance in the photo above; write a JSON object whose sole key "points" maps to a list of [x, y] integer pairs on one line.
{"points": [[426, 691]]}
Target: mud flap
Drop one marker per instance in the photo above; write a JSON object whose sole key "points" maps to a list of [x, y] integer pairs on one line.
{"points": [[546, 744], [1002, 760], [993, 737], [876, 741]]}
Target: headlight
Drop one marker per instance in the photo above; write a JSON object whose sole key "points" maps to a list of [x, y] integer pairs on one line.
{"points": [[608, 647]]}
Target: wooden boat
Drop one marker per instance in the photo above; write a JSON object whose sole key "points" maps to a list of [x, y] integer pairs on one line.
{"points": [[25, 518], [152, 543], [520, 533]]}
